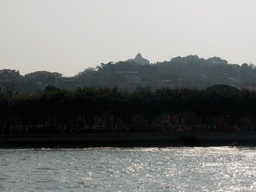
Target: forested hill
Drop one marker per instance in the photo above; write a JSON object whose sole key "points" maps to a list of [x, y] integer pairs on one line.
{"points": [[188, 72]]}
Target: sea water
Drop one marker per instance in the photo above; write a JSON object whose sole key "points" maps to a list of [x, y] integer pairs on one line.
{"points": [[129, 169]]}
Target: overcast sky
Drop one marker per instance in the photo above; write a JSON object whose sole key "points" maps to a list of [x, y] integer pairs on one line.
{"points": [[68, 36]]}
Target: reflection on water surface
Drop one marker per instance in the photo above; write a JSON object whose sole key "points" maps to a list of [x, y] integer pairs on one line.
{"points": [[124, 169]]}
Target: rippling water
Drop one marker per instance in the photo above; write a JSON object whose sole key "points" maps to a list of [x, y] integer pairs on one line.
{"points": [[128, 169]]}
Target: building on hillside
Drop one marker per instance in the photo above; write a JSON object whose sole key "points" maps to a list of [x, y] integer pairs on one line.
{"points": [[67, 83], [22, 79], [9, 75], [226, 79], [44, 78], [132, 78], [42, 75], [170, 83], [234, 82], [139, 60], [165, 83], [8, 78], [248, 87]]}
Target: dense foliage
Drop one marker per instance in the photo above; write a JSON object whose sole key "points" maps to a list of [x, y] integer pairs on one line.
{"points": [[89, 109]]}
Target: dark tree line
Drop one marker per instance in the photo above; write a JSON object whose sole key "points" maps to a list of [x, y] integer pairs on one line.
{"points": [[97, 110]]}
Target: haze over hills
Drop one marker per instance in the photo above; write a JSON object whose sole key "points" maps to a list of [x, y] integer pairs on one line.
{"points": [[190, 72], [187, 72], [68, 36]]}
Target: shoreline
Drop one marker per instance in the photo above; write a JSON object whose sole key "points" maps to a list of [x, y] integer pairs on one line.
{"points": [[160, 139]]}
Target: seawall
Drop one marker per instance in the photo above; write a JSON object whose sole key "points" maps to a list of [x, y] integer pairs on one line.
{"points": [[162, 139]]}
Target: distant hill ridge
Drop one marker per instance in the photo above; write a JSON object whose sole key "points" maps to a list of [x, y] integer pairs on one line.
{"points": [[187, 72]]}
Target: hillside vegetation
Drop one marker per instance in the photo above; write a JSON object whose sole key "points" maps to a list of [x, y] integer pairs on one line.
{"points": [[186, 72]]}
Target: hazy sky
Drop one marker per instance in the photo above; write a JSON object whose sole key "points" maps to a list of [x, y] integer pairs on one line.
{"points": [[68, 36]]}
